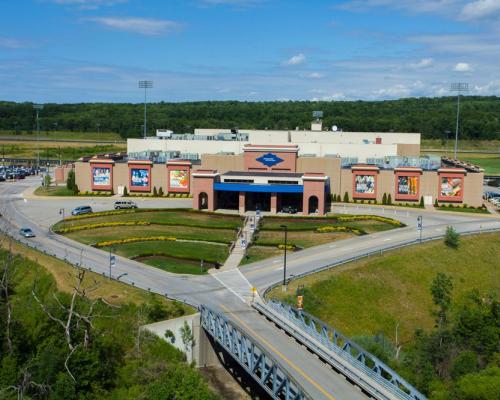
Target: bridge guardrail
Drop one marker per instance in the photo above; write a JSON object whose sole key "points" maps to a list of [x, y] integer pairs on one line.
{"points": [[252, 357], [367, 371]]}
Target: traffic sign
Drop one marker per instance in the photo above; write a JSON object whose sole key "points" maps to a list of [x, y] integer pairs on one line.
{"points": [[112, 260]]}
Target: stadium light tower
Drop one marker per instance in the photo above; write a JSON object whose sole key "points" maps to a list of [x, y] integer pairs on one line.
{"points": [[37, 108], [145, 85], [458, 87]]}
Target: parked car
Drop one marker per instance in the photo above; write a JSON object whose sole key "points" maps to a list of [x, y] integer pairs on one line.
{"points": [[27, 233], [289, 210], [124, 204], [81, 210]]}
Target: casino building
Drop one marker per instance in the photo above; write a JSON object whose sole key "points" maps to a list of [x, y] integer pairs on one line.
{"points": [[282, 170]]}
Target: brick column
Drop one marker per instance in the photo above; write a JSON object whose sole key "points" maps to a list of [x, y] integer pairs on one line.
{"points": [[274, 203], [314, 185], [241, 204]]}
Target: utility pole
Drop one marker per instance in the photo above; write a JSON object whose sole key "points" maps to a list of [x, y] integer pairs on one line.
{"points": [[145, 85], [285, 227], [37, 108], [458, 87], [420, 226]]}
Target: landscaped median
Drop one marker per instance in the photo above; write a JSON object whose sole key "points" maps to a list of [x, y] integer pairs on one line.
{"points": [[306, 232], [176, 240]]}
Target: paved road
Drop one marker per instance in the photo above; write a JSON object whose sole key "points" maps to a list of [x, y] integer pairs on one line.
{"points": [[316, 378]]}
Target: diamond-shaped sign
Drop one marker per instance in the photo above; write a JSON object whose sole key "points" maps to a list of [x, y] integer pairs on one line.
{"points": [[269, 159]]}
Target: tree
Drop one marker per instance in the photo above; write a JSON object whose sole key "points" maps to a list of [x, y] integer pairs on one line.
{"points": [[160, 192], [384, 199], [436, 204], [155, 192], [169, 335], [421, 204], [389, 199], [451, 237], [346, 197], [441, 289], [125, 191], [47, 180], [71, 181], [186, 336]]}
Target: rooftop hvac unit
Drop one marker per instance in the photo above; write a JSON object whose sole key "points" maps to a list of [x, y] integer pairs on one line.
{"points": [[164, 133]]}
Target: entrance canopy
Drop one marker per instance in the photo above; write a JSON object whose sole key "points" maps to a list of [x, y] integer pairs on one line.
{"points": [[260, 182]]}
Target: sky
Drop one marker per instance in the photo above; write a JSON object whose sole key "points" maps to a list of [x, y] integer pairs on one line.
{"points": [[251, 50]]}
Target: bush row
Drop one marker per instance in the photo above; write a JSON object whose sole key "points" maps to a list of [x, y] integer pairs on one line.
{"points": [[327, 229], [100, 225], [136, 239], [386, 220]]}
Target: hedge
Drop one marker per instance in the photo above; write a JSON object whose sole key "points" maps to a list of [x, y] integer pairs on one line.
{"points": [[327, 229], [136, 239], [350, 218], [100, 225]]}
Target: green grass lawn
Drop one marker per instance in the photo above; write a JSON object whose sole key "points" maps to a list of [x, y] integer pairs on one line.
{"points": [[491, 164], [53, 191], [371, 296], [210, 235], [258, 253], [302, 231], [165, 216], [491, 145], [106, 136], [187, 250], [93, 236]]}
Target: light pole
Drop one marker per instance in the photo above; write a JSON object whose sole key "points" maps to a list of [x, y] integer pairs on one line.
{"points": [[285, 227], [37, 108], [145, 85], [458, 87]]}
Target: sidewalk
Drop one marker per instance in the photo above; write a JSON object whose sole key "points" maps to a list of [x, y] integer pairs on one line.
{"points": [[241, 244]]}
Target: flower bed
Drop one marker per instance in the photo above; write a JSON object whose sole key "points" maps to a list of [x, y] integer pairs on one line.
{"points": [[100, 225], [386, 220], [136, 239], [329, 228]]}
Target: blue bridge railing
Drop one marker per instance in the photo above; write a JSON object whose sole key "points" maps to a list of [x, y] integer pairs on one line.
{"points": [[251, 356]]}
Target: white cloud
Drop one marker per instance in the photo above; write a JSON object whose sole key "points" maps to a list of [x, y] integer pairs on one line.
{"points": [[296, 59], [423, 63], [331, 97], [244, 3], [314, 75], [11, 43], [462, 67], [144, 26], [88, 4], [481, 9]]}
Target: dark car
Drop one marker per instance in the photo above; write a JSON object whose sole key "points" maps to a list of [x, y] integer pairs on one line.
{"points": [[289, 210], [27, 233]]}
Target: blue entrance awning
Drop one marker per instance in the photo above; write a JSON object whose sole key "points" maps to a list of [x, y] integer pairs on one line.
{"points": [[251, 187]]}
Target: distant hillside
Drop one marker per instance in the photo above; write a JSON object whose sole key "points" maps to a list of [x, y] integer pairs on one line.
{"points": [[480, 116]]}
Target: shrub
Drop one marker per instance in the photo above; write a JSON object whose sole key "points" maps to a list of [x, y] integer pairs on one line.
{"points": [[346, 197], [100, 225], [436, 204], [288, 247], [349, 218], [451, 237], [71, 181], [421, 204], [125, 192], [155, 192], [389, 199], [384, 199], [329, 228], [135, 239], [160, 192]]}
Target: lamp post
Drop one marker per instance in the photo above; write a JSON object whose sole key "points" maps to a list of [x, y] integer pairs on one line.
{"points": [[37, 108], [458, 87], [145, 85], [285, 227]]}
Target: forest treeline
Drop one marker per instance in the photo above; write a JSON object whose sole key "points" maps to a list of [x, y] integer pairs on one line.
{"points": [[433, 117]]}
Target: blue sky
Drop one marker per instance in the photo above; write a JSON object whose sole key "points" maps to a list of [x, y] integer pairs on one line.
{"points": [[97, 50]]}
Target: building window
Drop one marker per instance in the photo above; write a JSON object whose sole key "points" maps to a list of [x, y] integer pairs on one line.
{"points": [[275, 182], [238, 180]]}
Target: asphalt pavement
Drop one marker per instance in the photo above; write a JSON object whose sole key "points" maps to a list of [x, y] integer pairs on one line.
{"points": [[317, 379]]}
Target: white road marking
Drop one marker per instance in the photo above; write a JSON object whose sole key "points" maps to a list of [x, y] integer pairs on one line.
{"points": [[386, 240], [332, 246], [276, 261]]}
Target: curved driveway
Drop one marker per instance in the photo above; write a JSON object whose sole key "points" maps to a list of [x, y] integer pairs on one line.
{"points": [[318, 380]]}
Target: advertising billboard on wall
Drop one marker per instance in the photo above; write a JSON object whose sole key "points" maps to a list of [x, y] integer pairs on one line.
{"points": [[364, 184], [451, 186], [407, 185], [139, 177], [101, 176], [179, 179]]}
